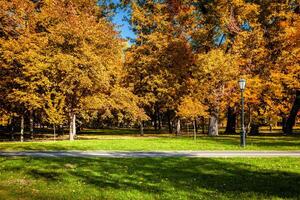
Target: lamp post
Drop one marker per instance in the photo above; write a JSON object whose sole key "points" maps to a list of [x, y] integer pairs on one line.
{"points": [[242, 84]]}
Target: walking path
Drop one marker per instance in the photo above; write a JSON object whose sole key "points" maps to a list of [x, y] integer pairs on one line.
{"points": [[142, 154]]}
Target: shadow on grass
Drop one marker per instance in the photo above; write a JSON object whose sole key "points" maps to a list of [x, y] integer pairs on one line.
{"points": [[192, 176], [45, 174]]}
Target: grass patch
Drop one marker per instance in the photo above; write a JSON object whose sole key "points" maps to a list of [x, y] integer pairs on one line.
{"points": [[162, 143], [149, 178]]}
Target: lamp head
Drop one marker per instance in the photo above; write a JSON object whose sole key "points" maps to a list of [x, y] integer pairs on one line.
{"points": [[242, 84]]}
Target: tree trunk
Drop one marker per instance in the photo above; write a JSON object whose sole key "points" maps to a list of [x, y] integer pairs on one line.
{"points": [[231, 120], [213, 124], [72, 124], [195, 132], [62, 130], [54, 132], [11, 127], [290, 123], [155, 120], [141, 129], [254, 130], [169, 122], [196, 125], [187, 129], [248, 127], [178, 127], [283, 124], [159, 119], [22, 129], [203, 125], [31, 124]]}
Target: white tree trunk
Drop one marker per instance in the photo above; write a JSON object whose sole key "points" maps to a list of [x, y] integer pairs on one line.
{"points": [[178, 127], [213, 124], [71, 135], [74, 125], [22, 128]]}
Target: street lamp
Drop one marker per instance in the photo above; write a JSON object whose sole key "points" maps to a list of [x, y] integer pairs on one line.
{"points": [[242, 84]]}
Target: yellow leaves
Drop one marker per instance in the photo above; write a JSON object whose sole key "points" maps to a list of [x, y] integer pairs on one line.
{"points": [[149, 16], [53, 106], [216, 78], [69, 58], [126, 102], [218, 67], [95, 102], [25, 99], [68, 48], [191, 108]]}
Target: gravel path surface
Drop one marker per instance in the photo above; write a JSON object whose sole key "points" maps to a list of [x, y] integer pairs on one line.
{"points": [[143, 154]]}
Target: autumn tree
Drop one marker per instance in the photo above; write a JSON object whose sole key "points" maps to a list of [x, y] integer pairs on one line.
{"points": [[85, 55], [53, 107], [58, 57], [159, 61], [22, 60], [286, 71], [191, 109]]}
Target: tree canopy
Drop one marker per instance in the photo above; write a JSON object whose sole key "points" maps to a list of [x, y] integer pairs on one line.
{"points": [[65, 59]]}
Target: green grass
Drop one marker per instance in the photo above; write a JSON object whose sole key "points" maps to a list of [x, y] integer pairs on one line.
{"points": [[162, 143], [149, 178], [117, 131]]}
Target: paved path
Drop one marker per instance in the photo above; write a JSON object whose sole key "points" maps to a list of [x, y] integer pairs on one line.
{"points": [[142, 154]]}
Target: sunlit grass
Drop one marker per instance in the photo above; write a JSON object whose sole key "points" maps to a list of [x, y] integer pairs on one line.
{"points": [[162, 143], [149, 178]]}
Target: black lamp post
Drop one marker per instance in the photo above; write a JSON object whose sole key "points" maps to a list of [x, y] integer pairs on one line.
{"points": [[242, 84]]}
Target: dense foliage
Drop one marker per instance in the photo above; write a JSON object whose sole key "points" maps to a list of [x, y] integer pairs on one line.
{"points": [[64, 60], [206, 46]]}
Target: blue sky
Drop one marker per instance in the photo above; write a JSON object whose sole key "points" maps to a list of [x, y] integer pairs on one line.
{"points": [[123, 26]]}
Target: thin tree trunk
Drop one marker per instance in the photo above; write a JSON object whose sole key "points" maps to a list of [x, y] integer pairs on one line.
{"points": [[155, 120], [195, 132], [141, 129], [231, 121], [249, 121], [31, 124], [187, 129], [74, 125], [62, 130], [203, 125], [169, 122], [291, 120], [11, 124], [159, 119], [196, 125], [54, 132], [71, 135], [213, 125], [178, 127], [22, 128], [271, 127]]}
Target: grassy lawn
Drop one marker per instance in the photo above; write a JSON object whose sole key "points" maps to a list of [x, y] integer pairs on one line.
{"points": [[162, 143], [149, 178]]}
